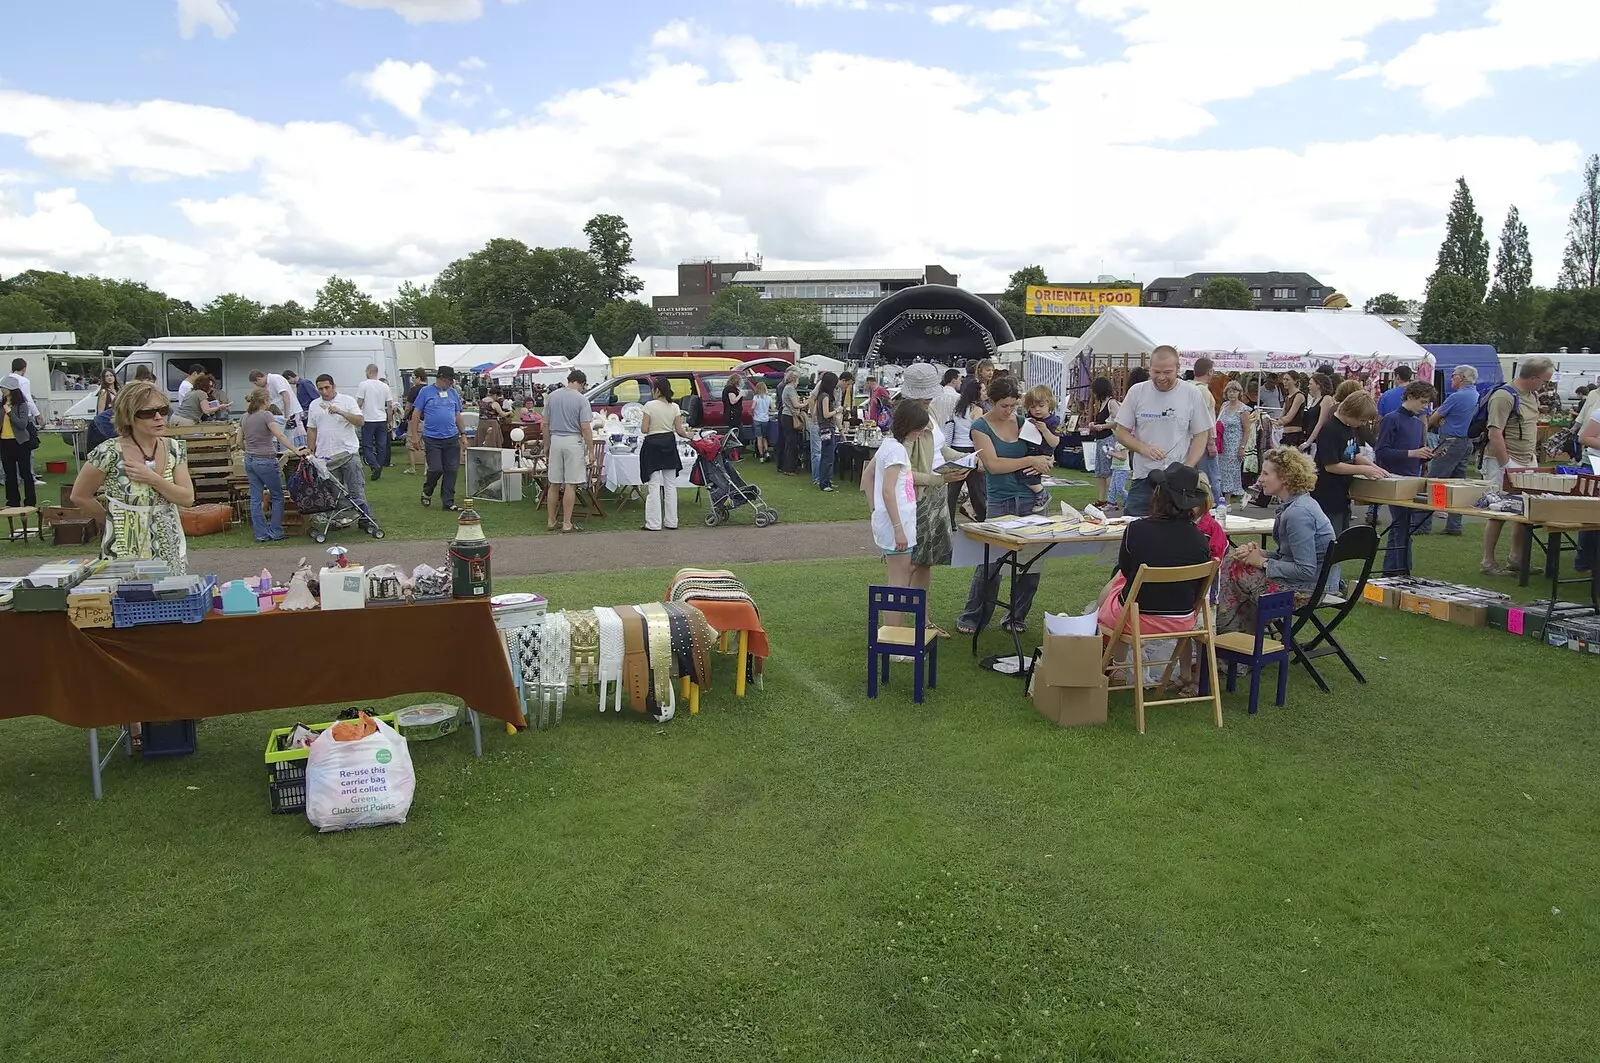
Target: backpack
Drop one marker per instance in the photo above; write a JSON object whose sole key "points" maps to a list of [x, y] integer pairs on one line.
{"points": [[1478, 429]]}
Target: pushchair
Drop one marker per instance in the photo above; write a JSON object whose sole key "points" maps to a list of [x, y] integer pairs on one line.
{"points": [[714, 471], [327, 505]]}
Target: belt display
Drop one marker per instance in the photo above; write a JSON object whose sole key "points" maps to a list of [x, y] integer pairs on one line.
{"points": [[585, 648], [610, 645], [659, 629], [635, 658]]}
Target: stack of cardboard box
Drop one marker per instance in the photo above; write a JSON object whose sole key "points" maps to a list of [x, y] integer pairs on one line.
{"points": [[1450, 602], [1067, 684]]}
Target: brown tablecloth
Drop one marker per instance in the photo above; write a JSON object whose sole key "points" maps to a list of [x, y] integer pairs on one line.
{"points": [[107, 676]]}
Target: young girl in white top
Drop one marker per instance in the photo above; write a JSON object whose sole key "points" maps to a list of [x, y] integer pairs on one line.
{"points": [[894, 494]]}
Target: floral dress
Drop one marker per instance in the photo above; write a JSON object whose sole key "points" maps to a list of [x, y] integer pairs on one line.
{"points": [[1230, 464], [139, 522]]}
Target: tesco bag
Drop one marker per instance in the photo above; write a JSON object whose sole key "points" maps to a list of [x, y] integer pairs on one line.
{"points": [[365, 782]]}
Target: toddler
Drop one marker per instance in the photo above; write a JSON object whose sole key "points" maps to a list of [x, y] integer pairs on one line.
{"points": [[1040, 402]]}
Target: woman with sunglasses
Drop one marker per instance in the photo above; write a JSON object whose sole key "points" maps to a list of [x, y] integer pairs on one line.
{"points": [[144, 479]]}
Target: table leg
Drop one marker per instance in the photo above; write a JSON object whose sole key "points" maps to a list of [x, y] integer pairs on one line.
{"points": [[744, 662], [94, 762], [477, 733], [694, 699], [976, 631], [1016, 634], [1524, 570]]}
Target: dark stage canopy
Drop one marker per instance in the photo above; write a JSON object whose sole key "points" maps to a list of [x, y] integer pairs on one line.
{"points": [[931, 322]]}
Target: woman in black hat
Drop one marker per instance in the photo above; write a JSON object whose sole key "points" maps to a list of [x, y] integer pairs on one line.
{"points": [[1167, 538]]}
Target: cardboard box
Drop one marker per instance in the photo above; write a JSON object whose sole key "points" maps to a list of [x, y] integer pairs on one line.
{"points": [[1458, 494], [1467, 612], [1438, 608], [1570, 509], [1070, 661], [1392, 489], [89, 610], [1072, 706], [1379, 593]]}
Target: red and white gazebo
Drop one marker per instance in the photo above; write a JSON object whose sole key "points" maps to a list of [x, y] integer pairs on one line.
{"points": [[527, 365]]}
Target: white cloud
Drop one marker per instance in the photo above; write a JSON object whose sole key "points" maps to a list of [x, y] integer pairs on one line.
{"points": [[304, 199], [472, 62], [1452, 68], [1357, 73], [215, 15], [404, 86], [1008, 19], [429, 10], [947, 13]]}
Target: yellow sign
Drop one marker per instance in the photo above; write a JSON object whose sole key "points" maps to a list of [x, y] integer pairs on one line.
{"points": [[1084, 300]]}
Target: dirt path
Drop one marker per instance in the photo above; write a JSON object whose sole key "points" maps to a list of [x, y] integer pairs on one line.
{"points": [[533, 555]]}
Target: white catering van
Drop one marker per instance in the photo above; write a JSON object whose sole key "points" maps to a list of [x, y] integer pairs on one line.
{"points": [[343, 354]]}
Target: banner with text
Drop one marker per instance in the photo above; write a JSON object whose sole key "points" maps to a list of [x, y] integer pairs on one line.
{"points": [[1084, 300]]}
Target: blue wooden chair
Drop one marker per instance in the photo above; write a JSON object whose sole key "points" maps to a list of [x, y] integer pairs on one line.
{"points": [[1255, 652], [917, 642]]}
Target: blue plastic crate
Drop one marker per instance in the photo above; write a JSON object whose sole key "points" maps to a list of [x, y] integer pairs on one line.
{"points": [[188, 610], [173, 738]]}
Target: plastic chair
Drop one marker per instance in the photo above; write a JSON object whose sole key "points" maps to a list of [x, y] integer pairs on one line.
{"points": [[1358, 543], [1235, 648], [916, 642], [1130, 633]]}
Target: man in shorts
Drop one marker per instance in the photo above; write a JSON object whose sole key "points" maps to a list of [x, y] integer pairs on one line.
{"points": [[567, 436]]}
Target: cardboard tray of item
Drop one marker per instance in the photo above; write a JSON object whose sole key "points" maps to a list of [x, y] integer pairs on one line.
{"points": [[1377, 594], [1458, 494], [1572, 509], [1451, 608], [1392, 489]]}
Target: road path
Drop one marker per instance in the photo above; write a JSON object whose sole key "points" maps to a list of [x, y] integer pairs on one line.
{"points": [[537, 554]]}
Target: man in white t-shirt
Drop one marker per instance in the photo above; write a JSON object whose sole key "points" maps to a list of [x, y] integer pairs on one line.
{"points": [[186, 385], [1162, 420], [376, 401], [333, 431]]}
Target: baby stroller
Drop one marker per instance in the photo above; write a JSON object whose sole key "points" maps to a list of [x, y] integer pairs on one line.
{"points": [[715, 472], [322, 497]]}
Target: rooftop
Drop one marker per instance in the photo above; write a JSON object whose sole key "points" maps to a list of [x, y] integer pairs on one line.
{"points": [[776, 276]]}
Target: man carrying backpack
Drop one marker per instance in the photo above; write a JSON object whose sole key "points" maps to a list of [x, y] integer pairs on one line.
{"points": [[1511, 420]]}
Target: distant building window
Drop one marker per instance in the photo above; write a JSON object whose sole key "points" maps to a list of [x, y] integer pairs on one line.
{"points": [[1285, 293], [1314, 293], [1156, 296], [1255, 293], [1194, 293]]}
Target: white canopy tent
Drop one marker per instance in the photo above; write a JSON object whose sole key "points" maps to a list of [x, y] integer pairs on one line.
{"points": [[468, 355], [1253, 340], [593, 361]]}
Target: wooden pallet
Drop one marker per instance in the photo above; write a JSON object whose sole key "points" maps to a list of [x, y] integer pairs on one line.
{"points": [[212, 450]]}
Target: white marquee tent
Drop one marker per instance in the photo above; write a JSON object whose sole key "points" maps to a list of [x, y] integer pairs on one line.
{"points": [[593, 361], [1253, 340], [470, 355]]}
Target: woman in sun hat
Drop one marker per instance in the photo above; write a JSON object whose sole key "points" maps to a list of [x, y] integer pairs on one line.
{"points": [[920, 385]]}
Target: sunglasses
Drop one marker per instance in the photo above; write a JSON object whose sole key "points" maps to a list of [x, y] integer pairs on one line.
{"points": [[150, 413]]}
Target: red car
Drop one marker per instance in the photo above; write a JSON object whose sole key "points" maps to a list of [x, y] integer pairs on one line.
{"points": [[697, 392]]}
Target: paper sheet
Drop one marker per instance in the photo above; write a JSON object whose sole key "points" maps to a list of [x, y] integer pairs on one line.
{"points": [[1030, 433], [1087, 624]]}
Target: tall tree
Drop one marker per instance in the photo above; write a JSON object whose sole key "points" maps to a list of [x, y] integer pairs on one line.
{"points": [[1510, 305], [420, 306], [117, 333], [617, 322], [800, 321], [1452, 312], [1013, 307], [1464, 252], [21, 312], [611, 246], [231, 314], [1580, 265], [1387, 303], [492, 286], [735, 311], [1226, 293], [552, 332], [281, 319], [341, 304], [1570, 319]]}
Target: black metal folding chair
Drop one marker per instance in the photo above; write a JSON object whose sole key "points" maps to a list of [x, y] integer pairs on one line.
{"points": [[1325, 612]]}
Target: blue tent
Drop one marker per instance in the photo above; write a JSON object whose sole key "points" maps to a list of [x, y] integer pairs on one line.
{"points": [[1481, 356], [485, 367]]}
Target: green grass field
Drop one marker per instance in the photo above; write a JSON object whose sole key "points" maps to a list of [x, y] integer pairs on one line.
{"points": [[1399, 871]]}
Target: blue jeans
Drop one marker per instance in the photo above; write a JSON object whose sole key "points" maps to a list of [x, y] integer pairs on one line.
{"points": [[1212, 469], [986, 581], [1397, 549], [814, 435], [1138, 503], [375, 446], [265, 477], [1450, 463], [823, 468]]}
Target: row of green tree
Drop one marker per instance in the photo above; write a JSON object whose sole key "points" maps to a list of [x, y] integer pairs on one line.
{"points": [[549, 299], [1464, 305]]}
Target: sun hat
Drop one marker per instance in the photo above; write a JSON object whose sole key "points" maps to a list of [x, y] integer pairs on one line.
{"points": [[1182, 483], [919, 381]]}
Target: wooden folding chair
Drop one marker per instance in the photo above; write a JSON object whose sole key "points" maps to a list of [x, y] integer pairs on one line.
{"points": [[1130, 633], [588, 496]]}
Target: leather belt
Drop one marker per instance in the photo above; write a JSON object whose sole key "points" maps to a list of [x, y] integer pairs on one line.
{"points": [[585, 648], [659, 629], [635, 658]]}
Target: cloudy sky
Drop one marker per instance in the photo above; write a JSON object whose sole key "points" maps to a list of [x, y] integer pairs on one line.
{"points": [[259, 145]]}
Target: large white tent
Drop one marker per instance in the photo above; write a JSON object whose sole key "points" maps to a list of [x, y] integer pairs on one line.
{"points": [[593, 361], [472, 355], [1252, 340]]}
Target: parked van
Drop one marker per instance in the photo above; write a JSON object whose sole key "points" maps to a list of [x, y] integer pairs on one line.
{"points": [[1572, 370], [344, 355], [698, 393]]}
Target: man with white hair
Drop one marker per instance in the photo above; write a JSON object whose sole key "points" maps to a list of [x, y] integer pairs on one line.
{"points": [[1160, 422], [1452, 420]]}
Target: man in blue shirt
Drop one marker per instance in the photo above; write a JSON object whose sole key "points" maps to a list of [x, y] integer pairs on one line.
{"points": [[1401, 449], [1452, 420], [1390, 400], [437, 414], [305, 392]]}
